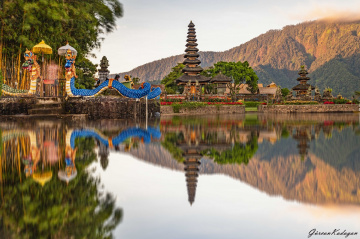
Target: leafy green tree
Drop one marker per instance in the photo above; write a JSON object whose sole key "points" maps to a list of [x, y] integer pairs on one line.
{"points": [[85, 70], [1, 143], [285, 92], [239, 72], [170, 80], [1, 82], [136, 80], [24, 23]]}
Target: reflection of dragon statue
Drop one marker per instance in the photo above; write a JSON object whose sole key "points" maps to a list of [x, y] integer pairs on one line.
{"points": [[71, 91], [145, 134], [33, 67], [33, 157]]}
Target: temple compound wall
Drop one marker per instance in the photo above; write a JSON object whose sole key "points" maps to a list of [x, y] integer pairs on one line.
{"points": [[91, 108], [206, 110], [337, 108], [111, 108], [16, 106]]}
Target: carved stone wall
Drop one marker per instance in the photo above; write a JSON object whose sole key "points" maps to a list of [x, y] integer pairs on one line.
{"points": [[15, 106]]}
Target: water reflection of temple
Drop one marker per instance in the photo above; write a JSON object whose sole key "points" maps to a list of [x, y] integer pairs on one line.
{"points": [[192, 142], [192, 164], [196, 140], [193, 139], [303, 135]]}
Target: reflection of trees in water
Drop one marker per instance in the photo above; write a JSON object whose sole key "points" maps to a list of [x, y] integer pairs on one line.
{"points": [[236, 141], [239, 153], [169, 143], [1, 143], [78, 209], [85, 150], [225, 142], [103, 155]]}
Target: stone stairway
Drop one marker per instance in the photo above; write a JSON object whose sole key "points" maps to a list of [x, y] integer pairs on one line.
{"points": [[48, 106]]}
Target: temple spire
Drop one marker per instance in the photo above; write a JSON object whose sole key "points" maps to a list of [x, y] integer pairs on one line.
{"points": [[191, 79], [191, 53]]}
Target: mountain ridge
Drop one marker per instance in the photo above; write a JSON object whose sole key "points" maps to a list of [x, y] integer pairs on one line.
{"points": [[330, 52]]}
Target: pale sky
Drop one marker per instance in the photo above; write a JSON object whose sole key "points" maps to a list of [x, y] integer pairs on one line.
{"points": [[151, 30]]}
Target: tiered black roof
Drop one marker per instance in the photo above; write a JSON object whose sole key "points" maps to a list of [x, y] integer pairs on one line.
{"points": [[191, 40], [220, 78], [192, 61], [192, 69], [303, 87], [191, 44], [186, 78], [191, 54], [191, 49]]}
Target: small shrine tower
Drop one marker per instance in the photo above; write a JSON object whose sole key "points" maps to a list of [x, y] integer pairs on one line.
{"points": [[103, 71], [303, 88], [192, 78]]}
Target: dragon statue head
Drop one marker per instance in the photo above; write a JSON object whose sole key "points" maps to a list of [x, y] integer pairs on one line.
{"points": [[29, 60], [70, 59]]}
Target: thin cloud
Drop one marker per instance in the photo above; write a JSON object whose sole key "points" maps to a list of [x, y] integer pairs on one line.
{"points": [[328, 13]]}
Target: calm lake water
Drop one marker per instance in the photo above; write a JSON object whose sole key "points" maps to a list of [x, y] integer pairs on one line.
{"points": [[245, 176]]}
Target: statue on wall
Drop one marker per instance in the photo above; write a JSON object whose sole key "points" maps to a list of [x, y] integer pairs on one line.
{"points": [[33, 68], [317, 94]]}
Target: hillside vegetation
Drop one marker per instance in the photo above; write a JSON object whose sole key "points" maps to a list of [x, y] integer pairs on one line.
{"points": [[330, 52]]}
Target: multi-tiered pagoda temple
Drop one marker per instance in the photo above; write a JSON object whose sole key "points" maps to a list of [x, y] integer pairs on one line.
{"points": [[303, 87], [192, 78]]}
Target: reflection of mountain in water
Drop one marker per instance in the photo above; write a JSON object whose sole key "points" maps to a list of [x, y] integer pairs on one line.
{"points": [[157, 155], [311, 180], [314, 162], [340, 150]]}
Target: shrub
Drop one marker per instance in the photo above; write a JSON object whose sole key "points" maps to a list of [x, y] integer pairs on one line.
{"points": [[224, 103], [285, 92], [251, 103], [188, 105], [340, 101], [171, 100], [217, 99], [301, 102]]}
